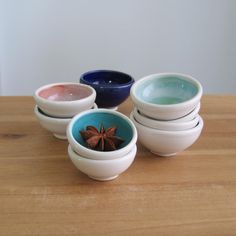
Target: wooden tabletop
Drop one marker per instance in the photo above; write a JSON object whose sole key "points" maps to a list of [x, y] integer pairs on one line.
{"points": [[42, 193]]}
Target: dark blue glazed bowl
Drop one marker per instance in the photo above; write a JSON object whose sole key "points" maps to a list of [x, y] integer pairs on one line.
{"points": [[112, 87]]}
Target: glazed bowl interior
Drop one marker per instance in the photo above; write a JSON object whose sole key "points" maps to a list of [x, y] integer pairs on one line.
{"points": [[106, 78], [166, 90], [64, 92], [124, 129]]}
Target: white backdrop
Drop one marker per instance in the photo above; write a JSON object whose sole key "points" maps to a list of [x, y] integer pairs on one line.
{"points": [[44, 41]]}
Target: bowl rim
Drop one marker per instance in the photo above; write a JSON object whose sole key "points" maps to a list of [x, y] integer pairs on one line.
{"points": [[122, 158], [198, 127], [40, 112], [107, 85], [156, 76], [94, 153], [191, 115], [52, 102], [163, 125], [47, 118]]}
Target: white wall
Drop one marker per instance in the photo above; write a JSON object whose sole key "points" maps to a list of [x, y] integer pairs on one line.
{"points": [[47, 41]]}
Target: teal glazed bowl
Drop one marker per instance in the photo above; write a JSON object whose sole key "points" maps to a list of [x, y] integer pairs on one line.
{"points": [[112, 87], [108, 118], [166, 96]]}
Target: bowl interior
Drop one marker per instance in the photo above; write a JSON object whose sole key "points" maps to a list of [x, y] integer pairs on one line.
{"points": [[166, 90], [67, 92], [124, 129], [106, 78]]}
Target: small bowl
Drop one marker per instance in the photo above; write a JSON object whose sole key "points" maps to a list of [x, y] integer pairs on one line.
{"points": [[102, 170], [167, 143], [54, 124], [109, 118], [190, 116], [112, 87], [166, 96], [163, 125], [64, 99]]}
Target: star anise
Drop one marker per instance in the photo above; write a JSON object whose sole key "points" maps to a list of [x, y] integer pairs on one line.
{"points": [[103, 140]]}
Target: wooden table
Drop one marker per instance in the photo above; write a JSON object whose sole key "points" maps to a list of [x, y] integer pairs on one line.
{"points": [[42, 193]]}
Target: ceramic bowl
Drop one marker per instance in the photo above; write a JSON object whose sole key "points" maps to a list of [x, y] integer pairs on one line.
{"points": [[102, 170], [64, 99], [108, 118], [167, 143], [190, 116], [112, 87], [163, 125], [54, 124], [166, 96]]}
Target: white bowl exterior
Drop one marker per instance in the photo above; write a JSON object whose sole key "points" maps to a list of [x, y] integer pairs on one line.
{"points": [[64, 109], [163, 125], [166, 143], [99, 155], [55, 125], [102, 169], [190, 116], [166, 112]]}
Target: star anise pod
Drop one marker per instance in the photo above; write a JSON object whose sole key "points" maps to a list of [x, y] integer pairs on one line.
{"points": [[103, 140]]}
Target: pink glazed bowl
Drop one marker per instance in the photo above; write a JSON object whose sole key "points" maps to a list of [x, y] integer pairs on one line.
{"points": [[65, 99]]}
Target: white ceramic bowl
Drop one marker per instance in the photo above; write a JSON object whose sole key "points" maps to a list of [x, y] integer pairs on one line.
{"points": [[190, 116], [64, 99], [163, 125], [54, 124], [167, 143], [125, 130], [102, 170], [166, 96]]}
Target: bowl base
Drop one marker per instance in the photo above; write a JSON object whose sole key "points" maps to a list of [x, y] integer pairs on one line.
{"points": [[103, 179], [110, 108], [163, 154], [113, 108], [60, 136]]}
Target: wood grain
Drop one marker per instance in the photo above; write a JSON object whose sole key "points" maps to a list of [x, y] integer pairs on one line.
{"points": [[42, 193]]}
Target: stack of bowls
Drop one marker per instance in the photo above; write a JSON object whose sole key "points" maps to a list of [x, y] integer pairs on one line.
{"points": [[166, 112], [102, 165], [57, 103]]}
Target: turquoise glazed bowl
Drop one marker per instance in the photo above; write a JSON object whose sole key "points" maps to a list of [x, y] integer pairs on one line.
{"points": [[108, 118], [112, 87], [166, 96]]}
